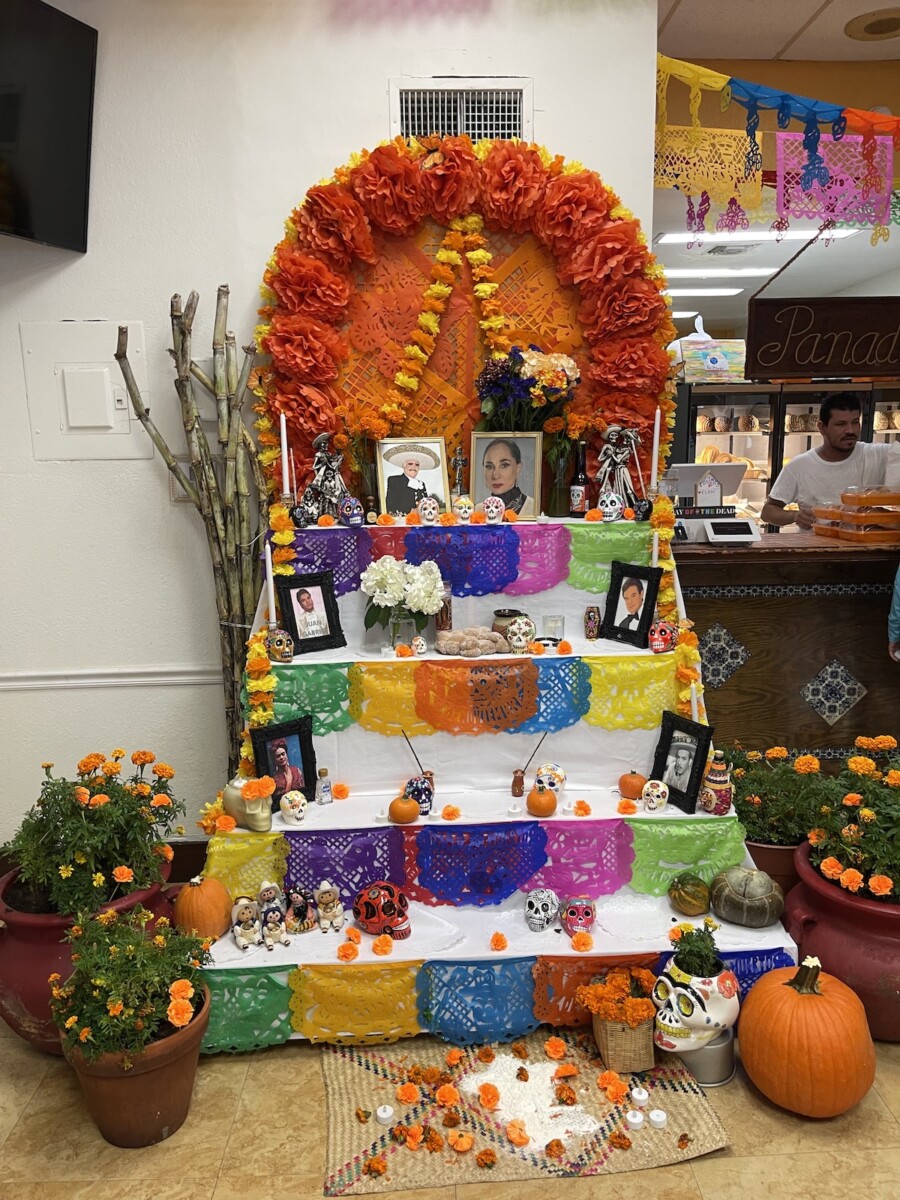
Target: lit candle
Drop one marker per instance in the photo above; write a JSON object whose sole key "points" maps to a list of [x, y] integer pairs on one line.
{"points": [[270, 586], [654, 561], [695, 708], [285, 484], [679, 598], [654, 456]]}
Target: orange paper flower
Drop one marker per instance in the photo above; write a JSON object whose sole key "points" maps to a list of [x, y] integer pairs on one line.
{"points": [[477, 518], [347, 951], [608, 1078], [565, 1071], [340, 791], [447, 519], [499, 941], [488, 1096], [413, 518], [454, 1057], [582, 808], [593, 514], [564, 647], [616, 1092], [510, 516], [626, 807], [555, 1048], [450, 812], [353, 935], [408, 1093], [402, 651], [384, 519], [460, 1141], [582, 942], [516, 1134], [383, 945], [325, 521], [536, 649], [446, 1095]]}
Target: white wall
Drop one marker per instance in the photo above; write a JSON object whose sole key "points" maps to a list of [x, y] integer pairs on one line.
{"points": [[212, 118], [886, 284]]}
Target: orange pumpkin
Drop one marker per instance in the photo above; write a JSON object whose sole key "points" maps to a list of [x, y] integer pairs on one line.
{"points": [[631, 785], [805, 1041], [203, 905], [403, 810], [541, 801]]}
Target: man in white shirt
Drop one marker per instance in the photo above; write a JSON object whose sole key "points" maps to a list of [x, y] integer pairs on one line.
{"points": [[820, 475], [678, 768], [309, 622]]}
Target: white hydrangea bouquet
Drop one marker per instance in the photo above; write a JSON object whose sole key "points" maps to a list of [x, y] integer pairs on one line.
{"points": [[398, 590]]}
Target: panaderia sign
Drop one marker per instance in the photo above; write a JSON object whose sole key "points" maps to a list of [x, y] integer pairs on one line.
{"points": [[837, 337]]}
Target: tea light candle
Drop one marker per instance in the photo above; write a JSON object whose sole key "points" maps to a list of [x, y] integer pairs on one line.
{"points": [[514, 810], [654, 453], [384, 1114], [381, 816], [640, 1097], [657, 1118], [634, 1120], [285, 485]]}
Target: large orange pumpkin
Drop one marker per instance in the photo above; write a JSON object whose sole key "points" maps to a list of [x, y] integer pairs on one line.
{"points": [[203, 905], [805, 1041], [631, 785]]}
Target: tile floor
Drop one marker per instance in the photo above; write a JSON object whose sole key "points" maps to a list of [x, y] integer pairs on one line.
{"points": [[229, 1149]]}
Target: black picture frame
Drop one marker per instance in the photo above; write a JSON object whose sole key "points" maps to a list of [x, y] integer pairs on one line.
{"points": [[676, 731], [264, 740], [622, 577], [319, 585]]}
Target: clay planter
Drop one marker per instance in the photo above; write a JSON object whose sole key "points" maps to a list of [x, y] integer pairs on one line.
{"points": [[776, 861], [150, 1100], [31, 947], [857, 940]]}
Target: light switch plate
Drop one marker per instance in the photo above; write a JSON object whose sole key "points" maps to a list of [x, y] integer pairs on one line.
{"points": [[77, 403]]}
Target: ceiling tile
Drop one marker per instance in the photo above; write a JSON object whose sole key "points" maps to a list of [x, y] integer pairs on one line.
{"points": [[825, 40], [697, 29]]}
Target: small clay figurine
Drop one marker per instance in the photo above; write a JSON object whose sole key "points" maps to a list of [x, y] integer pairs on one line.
{"points": [[245, 922], [301, 913], [270, 894], [331, 911], [273, 928], [458, 462], [592, 622], [518, 782]]}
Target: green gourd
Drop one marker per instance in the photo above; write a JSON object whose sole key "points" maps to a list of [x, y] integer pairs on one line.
{"points": [[747, 897], [688, 894]]}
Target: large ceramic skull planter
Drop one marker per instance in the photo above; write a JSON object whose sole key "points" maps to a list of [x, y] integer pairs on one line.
{"points": [[611, 506], [493, 509], [577, 915], [428, 509], [661, 636], [249, 814], [541, 909], [463, 507], [350, 512], [293, 807], [519, 632], [552, 776], [382, 907], [691, 1011], [655, 795]]}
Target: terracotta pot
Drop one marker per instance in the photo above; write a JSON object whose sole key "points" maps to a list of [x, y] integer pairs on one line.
{"points": [[857, 940], [776, 861], [149, 1101], [31, 948]]}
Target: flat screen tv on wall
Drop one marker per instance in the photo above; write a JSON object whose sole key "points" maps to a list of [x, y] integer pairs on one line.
{"points": [[47, 64]]}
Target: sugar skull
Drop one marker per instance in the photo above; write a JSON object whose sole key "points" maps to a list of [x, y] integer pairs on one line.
{"points": [[463, 507], [611, 506], [383, 908], [691, 1011], [662, 636], [293, 807], [655, 795], [418, 645], [642, 509], [541, 908], [577, 915], [428, 509], [519, 632], [421, 789], [551, 775], [350, 512], [493, 509], [279, 645]]}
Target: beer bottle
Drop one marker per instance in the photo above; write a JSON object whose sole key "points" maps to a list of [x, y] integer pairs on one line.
{"points": [[578, 488]]}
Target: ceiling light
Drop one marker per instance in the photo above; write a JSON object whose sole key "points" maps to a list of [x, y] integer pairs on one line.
{"points": [[704, 291], [877, 26], [683, 316], [719, 272], [765, 235]]}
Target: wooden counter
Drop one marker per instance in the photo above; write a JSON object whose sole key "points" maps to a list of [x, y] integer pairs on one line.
{"points": [[773, 615]]}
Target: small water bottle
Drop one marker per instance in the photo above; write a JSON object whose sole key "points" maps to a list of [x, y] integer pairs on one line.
{"points": [[323, 787]]}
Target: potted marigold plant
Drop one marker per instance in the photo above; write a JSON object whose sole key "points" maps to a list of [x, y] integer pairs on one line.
{"points": [[622, 1013], [777, 793], [92, 842], [846, 910], [131, 1018]]}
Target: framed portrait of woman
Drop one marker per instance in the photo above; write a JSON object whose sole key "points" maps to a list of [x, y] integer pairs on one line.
{"points": [[286, 753], [507, 465]]}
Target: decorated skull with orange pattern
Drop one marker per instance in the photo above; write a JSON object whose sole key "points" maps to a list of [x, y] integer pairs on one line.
{"points": [[382, 907], [519, 632], [577, 915], [428, 509], [662, 636]]}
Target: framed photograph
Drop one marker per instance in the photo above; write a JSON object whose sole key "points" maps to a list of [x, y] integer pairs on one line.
{"points": [[507, 465], [630, 603], [410, 469], [680, 759], [286, 753], [309, 611]]}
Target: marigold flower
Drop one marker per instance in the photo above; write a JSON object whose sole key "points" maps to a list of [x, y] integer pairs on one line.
{"points": [[815, 837], [66, 871], [90, 763], [754, 801], [98, 879], [340, 791], [114, 1008], [626, 808], [179, 1013], [142, 789], [408, 1093], [806, 764], [892, 779], [347, 951], [884, 741], [555, 1048], [82, 795], [85, 1034], [582, 942], [831, 868], [565, 1094], [454, 1057], [99, 800], [486, 1159], [123, 874], [143, 758], [880, 885], [181, 989], [161, 802], [71, 1021], [859, 764], [864, 743], [383, 945], [258, 789], [164, 771], [447, 1095], [110, 768], [753, 756], [225, 823], [776, 752], [868, 815], [499, 941], [851, 879], [375, 1166], [488, 1096]]}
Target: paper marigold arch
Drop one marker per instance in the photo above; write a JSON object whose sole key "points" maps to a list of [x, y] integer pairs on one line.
{"points": [[399, 276]]}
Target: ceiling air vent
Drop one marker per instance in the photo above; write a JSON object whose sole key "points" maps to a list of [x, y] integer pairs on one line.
{"points": [[732, 249], [482, 108]]}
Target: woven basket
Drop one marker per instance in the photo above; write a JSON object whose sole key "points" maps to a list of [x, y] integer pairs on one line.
{"points": [[622, 1048]]}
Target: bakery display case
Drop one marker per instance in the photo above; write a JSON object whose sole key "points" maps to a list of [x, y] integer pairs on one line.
{"points": [[886, 414]]}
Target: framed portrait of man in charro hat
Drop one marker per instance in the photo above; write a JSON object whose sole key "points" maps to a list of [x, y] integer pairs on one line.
{"points": [[410, 469]]}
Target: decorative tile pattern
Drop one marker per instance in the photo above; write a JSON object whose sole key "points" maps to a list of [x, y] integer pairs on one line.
{"points": [[752, 591], [722, 655], [833, 692]]}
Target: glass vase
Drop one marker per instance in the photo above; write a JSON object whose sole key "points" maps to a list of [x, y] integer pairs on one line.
{"points": [[401, 629], [558, 495]]}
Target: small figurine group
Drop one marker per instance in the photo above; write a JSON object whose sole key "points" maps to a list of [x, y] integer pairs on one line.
{"points": [[270, 917]]}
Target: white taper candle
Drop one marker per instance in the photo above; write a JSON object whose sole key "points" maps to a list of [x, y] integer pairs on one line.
{"points": [[270, 587], [285, 482], [654, 456], [695, 707], [654, 558]]}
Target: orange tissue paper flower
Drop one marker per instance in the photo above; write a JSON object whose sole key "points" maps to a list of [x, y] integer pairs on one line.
{"points": [[499, 941], [225, 823], [258, 789], [460, 1141], [535, 648], [616, 1092], [454, 1057], [340, 791], [593, 514], [488, 1096], [353, 935], [477, 518], [510, 516], [608, 1078], [447, 519], [515, 1133], [408, 1093], [582, 808], [450, 812], [384, 519], [413, 518], [582, 942], [564, 647], [565, 1071], [347, 951], [555, 1048], [626, 807], [383, 945], [402, 651], [852, 800], [414, 1136], [446, 1095]]}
